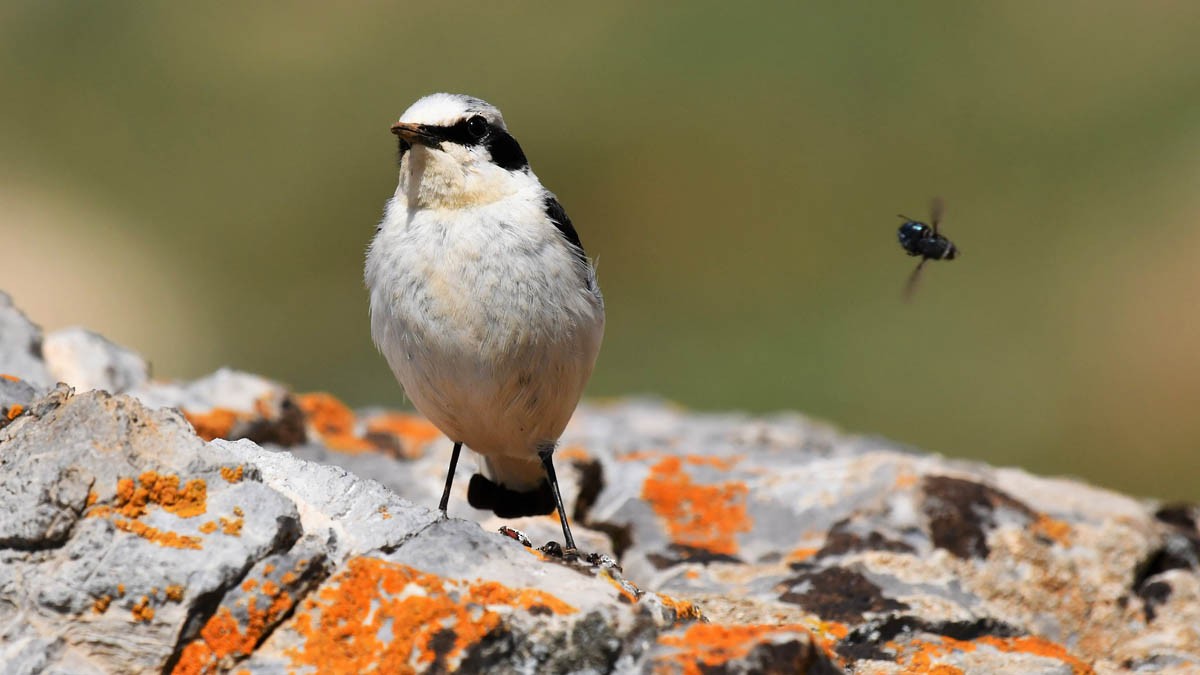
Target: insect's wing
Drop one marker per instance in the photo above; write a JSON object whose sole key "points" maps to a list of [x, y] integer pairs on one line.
{"points": [[936, 209], [911, 286]]}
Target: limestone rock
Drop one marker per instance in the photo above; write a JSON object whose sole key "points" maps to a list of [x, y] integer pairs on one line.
{"points": [[21, 346], [87, 361], [131, 545], [295, 535]]}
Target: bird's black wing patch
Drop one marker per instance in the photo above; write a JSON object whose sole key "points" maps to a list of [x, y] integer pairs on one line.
{"points": [[556, 214]]}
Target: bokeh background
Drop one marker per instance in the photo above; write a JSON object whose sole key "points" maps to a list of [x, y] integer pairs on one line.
{"points": [[200, 181]]}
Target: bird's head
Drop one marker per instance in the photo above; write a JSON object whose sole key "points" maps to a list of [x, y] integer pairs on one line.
{"points": [[455, 151]]}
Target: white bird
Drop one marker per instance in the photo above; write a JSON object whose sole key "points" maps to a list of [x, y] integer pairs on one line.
{"points": [[483, 301]]}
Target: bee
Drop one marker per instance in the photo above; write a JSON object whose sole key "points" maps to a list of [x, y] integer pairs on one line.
{"points": [[921, 239]]}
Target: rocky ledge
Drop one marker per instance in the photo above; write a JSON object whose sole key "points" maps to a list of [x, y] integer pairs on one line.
{"points": [[231, 525]]}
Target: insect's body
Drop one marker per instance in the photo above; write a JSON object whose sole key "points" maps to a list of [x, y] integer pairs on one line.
{"points": [[920, 239], [923, 240]]}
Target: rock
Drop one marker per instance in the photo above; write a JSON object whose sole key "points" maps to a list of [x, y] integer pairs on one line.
{"points": [[230, 404], [87, 361], [21, 347], [738, 545]]}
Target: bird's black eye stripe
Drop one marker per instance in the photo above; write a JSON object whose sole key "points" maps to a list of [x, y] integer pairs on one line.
{"points": [[505, 151], [467, 132]]}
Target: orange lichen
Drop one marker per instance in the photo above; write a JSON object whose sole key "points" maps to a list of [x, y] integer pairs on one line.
{"points": [[268, 569], [157, 536], [120, 590], [288, 578], [101, 604], [922, 654], [1052, 529], [10, 378], [91, 499], [223, 641], [623, 594], [684, 610], [722, 463], [704, 646], [142, 611], [249, 585], [381, 616], [640, 455], [333, 422], [697, 515], [1040, 647], [216, 423], [232, 526], [800, 554], [175, 593], [232, 474], [134, 497], [383, 513], [15, 410], [414, 431], [573, 453], [209, 527]]}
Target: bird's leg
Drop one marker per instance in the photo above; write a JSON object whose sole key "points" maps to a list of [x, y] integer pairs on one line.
{"points": [[450, 478], [548, 462]]}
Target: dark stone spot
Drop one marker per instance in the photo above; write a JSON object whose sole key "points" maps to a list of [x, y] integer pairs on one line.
{"points": [[540, 610], [680, 553], [961, 512], [1181, 516], [1153, 594], [386, 443], [1180, 551], [867, 641], [838, 594], [591, 484], [842, 539], [286, 430], [784, 655], [441, 643]]}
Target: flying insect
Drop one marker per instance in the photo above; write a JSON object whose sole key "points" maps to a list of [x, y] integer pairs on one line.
{"points": [[924, 240]]}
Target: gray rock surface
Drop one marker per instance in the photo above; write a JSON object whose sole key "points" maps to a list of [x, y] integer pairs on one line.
{"points": [[21, 346], [88, 361], [293, 535]]}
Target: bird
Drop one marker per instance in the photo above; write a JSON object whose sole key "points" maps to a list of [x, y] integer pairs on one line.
{"points": [[924, 240], [483, 302]]}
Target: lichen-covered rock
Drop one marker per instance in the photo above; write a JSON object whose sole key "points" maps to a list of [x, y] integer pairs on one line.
{"points": [[128, 543], [230, 404]]}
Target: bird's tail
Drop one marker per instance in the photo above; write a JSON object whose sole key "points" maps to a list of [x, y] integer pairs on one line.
{"points": [[511, 487]]}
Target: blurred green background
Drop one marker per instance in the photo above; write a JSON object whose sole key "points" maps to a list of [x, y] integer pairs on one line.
{"points": [[199, 182]]}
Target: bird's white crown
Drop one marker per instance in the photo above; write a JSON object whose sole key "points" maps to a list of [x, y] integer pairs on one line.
{"points": [[446, 109]]}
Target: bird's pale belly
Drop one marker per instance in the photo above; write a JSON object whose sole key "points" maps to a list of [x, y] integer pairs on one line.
{"points": [[492, 361]]}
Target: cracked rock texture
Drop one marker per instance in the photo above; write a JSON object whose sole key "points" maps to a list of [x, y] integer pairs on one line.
{"points": [[231, 525]]}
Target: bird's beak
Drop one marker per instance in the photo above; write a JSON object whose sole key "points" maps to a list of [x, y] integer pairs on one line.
{"points": [[415, 133]]}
